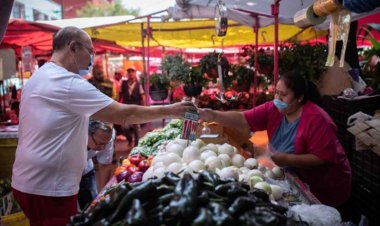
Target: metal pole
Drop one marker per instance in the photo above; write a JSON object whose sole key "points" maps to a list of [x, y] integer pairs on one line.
{"points": [[275, 11], [256, 30], [148, 62], [146, 79]]}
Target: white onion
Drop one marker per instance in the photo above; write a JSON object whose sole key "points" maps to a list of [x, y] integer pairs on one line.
{"points": [[175, 148], [244, 169], [169, 158], [252, 181], [181, 142], [226, 149], [159, 172], [197, 165], [278, 172], [254, 172], [269, 174], [212, 147], [251, 163], [276, 191], [175, 167], [213, 163], [148, 174], [190, 153], [206, 154], [237, 160], [228, 172], [225, 159], [263, 186], [198, 143]]}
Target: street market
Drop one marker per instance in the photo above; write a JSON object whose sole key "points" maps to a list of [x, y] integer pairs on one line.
{"points": [[219, 112]]}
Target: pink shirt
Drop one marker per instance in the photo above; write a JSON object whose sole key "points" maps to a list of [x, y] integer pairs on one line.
{"points": [[315, 134]]}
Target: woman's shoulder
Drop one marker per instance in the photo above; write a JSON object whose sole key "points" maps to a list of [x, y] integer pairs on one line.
{"points": [[315, 112]]}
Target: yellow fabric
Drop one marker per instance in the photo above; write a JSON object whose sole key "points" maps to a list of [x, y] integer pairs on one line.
{"points": [[196, 34]]}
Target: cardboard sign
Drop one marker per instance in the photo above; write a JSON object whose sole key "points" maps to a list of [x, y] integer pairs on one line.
{"points": [[190, 125]]}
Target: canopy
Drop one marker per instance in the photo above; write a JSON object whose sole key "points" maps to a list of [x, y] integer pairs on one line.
{"points": [[39, 37], [196, 34]]}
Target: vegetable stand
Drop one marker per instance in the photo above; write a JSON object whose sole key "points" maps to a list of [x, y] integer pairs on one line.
{"points": [[194, 182]]}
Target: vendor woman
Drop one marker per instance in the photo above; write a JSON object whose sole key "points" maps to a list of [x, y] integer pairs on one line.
{"points": [[302, 134]]}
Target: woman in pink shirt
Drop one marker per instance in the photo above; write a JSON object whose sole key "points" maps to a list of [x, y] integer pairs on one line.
{"points": [[302, 134]]}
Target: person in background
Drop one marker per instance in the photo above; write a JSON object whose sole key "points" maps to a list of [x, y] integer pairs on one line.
{"points": [[119, 74], [132, 92], [100, 145], [100, 81], [56, 104], [301, 134]]}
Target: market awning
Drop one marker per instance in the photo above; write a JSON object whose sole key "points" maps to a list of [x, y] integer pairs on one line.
{"points": [[195, 34]]}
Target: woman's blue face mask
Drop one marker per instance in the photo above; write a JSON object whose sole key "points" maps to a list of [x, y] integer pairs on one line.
{"points": [[280, 105]]}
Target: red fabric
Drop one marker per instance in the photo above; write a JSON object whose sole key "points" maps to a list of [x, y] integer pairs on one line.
{"points": [[45, 210], [315, 135]]}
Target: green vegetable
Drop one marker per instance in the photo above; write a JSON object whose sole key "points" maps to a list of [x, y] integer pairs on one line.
{"points": [[136, 215]]}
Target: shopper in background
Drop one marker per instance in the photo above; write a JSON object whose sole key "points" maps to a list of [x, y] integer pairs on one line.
{"points": [[100, 145], [132, 92], [100, 81], [119, 74], [302, 136], [55, 108]]}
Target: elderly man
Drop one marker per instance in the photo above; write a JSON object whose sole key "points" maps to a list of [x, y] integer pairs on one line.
{"points": [[55, 108], [100, 146]]}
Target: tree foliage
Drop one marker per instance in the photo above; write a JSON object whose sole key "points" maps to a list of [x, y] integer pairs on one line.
{"points": [[105, 8]]}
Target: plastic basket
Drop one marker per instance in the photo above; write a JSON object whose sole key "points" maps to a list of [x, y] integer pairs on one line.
{"points": [[366, 170], [341, 109], [16, 219]]}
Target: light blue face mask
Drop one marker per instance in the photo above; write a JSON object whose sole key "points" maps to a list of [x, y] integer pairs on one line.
{"points": [[86, 71], [280, 105]]}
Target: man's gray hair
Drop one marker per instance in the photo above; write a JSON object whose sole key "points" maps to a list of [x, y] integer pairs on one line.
{"points": [[95, 125]]}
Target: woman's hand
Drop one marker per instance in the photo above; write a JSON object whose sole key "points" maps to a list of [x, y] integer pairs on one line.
{"points": [[281, 159]]}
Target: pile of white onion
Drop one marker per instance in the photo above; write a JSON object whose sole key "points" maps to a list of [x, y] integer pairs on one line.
{"points": [[223, 159]]}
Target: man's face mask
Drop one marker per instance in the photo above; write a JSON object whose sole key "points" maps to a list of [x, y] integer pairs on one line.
{"points": [[83, 72]]}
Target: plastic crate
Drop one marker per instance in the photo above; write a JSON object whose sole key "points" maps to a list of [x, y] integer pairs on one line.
{"points": [[365, 168], [341, 109]]}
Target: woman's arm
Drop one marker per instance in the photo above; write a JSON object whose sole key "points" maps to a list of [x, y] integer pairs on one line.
{"points": [[306, 161], [229, 118]]}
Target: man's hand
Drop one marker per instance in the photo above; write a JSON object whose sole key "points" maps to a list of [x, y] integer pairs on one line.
{"points": [[178, 110]]}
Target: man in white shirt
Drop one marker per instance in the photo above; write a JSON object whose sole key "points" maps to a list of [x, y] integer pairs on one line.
{"points": [[100, 146], [56, 104]]}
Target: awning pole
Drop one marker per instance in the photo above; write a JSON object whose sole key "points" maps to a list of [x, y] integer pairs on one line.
{"points": [[275, 11], [256, 31], [149, 33], [146, 80]]}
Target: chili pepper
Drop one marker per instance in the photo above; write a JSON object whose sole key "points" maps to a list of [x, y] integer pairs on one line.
{"points": [[241, 205], [165, 199], [170, 178], [136, 215], [209, 177], [219, 215], [116, 197], [259, 194], [203, 218], [143, 191], [164, 189], [185, 203], [136, 159], [231, 190]]}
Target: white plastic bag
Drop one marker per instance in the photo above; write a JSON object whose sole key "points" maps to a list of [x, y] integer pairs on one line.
{"points": [[316, 215]]}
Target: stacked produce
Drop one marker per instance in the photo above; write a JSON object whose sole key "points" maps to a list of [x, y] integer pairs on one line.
{"points": [[224, 159], [133, 168], [149, 144], [199, 199]]}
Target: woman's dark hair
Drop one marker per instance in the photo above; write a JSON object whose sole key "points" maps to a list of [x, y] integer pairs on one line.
{"points": [[301, 87]]}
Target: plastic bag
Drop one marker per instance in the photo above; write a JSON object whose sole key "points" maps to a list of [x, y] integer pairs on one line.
{"points": [[358, 117], [318, 215]]}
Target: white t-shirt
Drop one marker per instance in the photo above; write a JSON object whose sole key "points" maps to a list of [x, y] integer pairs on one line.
{"points": [[53, 132]]}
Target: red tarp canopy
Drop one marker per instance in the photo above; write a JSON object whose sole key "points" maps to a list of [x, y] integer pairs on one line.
{"points": [[40, 37]]}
